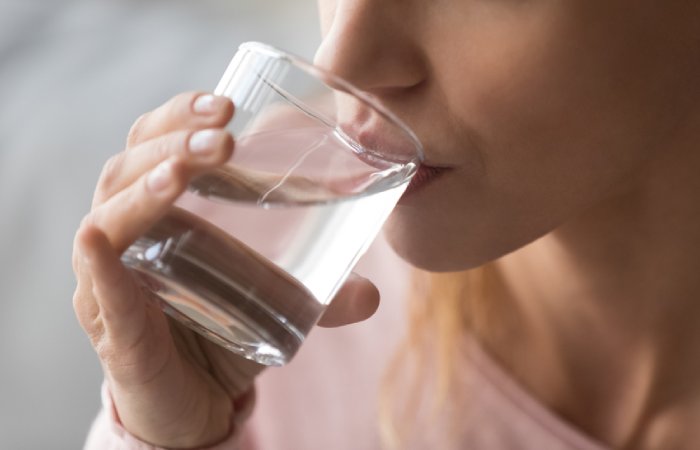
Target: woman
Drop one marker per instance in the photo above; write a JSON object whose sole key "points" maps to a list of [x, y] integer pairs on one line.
{"points": [[562, 211]]}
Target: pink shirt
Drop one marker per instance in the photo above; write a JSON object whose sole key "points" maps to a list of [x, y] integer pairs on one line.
{"points": [[326, 397]]}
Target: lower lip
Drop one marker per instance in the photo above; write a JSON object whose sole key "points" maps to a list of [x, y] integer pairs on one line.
{"points": [[424, 176]]}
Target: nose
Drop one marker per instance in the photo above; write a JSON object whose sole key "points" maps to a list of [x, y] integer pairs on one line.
{"points": [[373, 46]]}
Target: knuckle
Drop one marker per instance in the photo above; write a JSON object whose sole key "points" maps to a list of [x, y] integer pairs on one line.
{"points": [[75, 260], [186, 98], [75, 257], [87, 312], [136, 130], [167, 146], [81, 297], [170, 145], [78, 245], [87, 221], [78, 298], [134, 201], [180, 106], [110, 173]]}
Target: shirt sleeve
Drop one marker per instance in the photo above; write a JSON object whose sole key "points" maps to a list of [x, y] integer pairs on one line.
{"points": [[107, 432]]}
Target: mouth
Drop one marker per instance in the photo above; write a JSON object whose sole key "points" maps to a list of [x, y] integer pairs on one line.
{"points": [[392, 144], [377, 135], [422, 178]]}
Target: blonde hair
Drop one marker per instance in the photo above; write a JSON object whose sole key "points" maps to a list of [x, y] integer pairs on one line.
{"points": [[419, 384]]}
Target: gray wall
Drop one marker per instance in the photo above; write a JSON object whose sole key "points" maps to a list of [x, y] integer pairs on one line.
{"points": [[74, 74]]}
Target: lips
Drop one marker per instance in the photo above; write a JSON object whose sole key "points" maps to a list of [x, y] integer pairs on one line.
{"points": [[424, 176], [396, 149], [391, 144], [376, 135]]}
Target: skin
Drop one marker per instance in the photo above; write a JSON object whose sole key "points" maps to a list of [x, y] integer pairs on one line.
{"points": [[570, 130], [171, 387], [570, 133]]}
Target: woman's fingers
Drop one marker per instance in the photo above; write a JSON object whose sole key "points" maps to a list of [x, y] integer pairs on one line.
{"points": [[356, 301], [113, 290], [133, 211], [130, 333], [191, 110], [202, 147], [161, 133]]}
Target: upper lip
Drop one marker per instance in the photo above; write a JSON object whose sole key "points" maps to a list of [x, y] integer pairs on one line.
{"points": [[372, 132], [373, 138]]}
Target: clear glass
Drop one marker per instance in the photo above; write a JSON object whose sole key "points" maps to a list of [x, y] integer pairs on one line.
{"points": [[253, 252]]}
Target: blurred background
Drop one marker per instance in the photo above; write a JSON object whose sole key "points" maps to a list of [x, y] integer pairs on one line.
{"points": [[74, 75]]}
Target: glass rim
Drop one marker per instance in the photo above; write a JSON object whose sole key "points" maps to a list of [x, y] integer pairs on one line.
{"points": [[315, 71]]}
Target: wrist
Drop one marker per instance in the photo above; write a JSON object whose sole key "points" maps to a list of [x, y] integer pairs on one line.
{"points": [[214, 427]]}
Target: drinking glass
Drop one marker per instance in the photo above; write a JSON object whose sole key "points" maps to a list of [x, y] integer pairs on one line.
{"points": [[251, 254]]}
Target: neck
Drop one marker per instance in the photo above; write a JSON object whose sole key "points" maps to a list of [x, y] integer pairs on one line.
{"points": [[606, 308]]}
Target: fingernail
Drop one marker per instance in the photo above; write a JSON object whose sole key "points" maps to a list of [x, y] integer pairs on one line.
{"points": [[203, 142], [160, 177], [207, 104]]}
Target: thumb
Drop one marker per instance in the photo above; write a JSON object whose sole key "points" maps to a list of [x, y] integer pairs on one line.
{"points": [[356, 301]]}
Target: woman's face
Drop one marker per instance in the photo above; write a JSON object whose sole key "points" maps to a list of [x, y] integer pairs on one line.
{"points": [[539, 109]]}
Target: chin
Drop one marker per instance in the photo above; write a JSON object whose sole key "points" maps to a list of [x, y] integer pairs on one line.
{"points": [[439, 242], [432, 250]]}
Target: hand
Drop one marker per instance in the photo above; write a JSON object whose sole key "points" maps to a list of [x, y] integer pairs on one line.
{"points": [[170, 386]]}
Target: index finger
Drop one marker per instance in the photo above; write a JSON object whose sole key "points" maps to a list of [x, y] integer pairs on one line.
{"points": [[188, 111]]}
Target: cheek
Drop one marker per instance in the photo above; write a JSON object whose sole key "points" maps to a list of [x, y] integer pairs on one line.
{"points": [[562, 114], [562, 111]]}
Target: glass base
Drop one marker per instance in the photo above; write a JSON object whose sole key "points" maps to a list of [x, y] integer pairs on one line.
{"points": [[247, 343], [244, 326], [224, 290]]}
